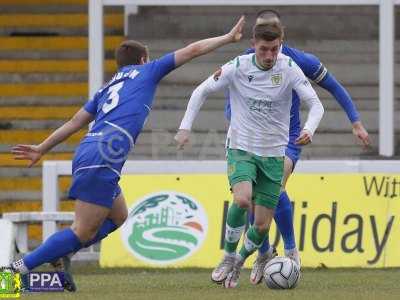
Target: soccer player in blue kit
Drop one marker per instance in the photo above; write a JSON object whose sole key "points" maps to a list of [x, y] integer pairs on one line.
{"points": [[119, 110], [315, 71]]}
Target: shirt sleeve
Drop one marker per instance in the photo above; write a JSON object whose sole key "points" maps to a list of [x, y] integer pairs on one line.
{"points": [[218, 81], [91, 105], [308, 95], [162, 66], [307, 62], [317, 72], [341, 95]]}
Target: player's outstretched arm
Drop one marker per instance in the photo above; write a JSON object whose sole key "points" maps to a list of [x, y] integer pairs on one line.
{"points": [[205, 46], [33, 153], [316, 71], [342, 96]]}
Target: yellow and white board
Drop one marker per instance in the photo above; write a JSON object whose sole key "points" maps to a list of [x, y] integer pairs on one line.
{"points": [[176, 220]]}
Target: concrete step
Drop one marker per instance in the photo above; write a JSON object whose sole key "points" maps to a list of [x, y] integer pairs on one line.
{"points": [[37, 113], [46, 89], [349, 22], [56, 24], [55, 101], [29, 183], [33, 21], [51, 6], [54, 43], [20, 172], [50, 66], [344, 51], [7, 3], [34, 136], [7, 159]]}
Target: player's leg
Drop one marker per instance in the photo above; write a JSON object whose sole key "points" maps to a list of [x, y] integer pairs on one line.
{"points": [[235, 225], [265, 254], [115, 218], [88, 218], [266, 197], [284, 211], [241, 174]]}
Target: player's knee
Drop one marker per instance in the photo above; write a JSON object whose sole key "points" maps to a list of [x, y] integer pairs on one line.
{"points": [[84, 234], [121, 218], [242, 201]]}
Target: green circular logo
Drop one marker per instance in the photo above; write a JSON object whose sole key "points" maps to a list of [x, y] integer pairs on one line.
{"points": [[165, 227]]}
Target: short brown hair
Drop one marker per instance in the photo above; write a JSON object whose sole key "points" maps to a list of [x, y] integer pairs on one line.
{"points": [[268, 31], [130, 52]]}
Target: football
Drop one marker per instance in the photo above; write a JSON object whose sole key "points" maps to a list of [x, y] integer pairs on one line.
{"points": [[281, 273]]}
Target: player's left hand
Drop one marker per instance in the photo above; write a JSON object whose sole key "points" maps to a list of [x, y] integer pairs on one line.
{"points": [[182, 138], [236, 32], [27, 152], [304, 138], [361, 133]]}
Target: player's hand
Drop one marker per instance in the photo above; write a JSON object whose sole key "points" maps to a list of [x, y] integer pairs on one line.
{"points": [[236, 33], [27, 152], [304, 138], [361, 133], [182, 138]]}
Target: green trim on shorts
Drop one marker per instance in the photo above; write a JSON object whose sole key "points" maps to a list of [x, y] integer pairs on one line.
{"points": [[265, 173]]}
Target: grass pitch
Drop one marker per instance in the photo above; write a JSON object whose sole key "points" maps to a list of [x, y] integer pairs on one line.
{"points": [[96, 283]]}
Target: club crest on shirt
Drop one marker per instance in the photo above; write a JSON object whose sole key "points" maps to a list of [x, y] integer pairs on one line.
{"points": [[217, 74], [276, 79], [250, 78]]}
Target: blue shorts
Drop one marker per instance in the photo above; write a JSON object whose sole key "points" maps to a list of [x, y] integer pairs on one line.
{"points": [[94, 178], [293, 152]]}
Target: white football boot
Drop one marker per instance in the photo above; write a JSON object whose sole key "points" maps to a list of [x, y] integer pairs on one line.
{"points": [[257, 272], [294, 255], [232, 280], [220, 273]]}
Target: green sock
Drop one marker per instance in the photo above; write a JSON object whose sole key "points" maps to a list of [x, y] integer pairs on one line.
{"points": [[235, 224], [252, 241]]}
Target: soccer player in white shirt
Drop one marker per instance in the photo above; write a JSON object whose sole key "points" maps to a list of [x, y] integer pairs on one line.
{"points": [[260, 87]]}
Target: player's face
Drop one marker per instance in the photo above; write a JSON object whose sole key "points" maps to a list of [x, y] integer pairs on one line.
{"points": [[267, 52]]}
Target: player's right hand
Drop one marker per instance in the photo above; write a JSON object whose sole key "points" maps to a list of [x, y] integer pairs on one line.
{"points": [[182, 138], [236, 32], [27, 152]]}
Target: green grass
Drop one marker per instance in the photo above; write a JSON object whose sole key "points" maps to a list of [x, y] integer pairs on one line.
{"points": [[96, 283]]}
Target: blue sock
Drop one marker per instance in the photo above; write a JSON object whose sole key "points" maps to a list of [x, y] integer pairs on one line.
{"points": [[284, 220], [57, 245], [107, 227], [265, 245]]}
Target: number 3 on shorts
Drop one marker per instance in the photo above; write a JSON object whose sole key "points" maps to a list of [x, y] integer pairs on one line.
{"points": [[114, 97]]}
